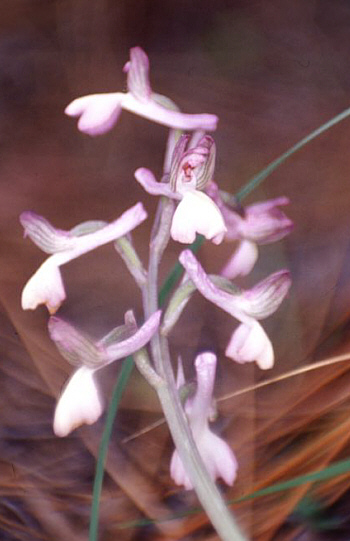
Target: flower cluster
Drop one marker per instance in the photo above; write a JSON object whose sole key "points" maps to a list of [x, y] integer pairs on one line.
{"points": [[201, 209], [80, 401]]}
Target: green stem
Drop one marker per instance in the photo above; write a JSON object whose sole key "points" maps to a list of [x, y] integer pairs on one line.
{"points": [[102, 453], [260, 177], [205, 488]]}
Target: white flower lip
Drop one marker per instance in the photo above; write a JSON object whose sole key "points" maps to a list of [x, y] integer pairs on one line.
{"points": [[79, 403], [46, 285], [242, 261], [250, 343], [98, 112], [197, 213]]}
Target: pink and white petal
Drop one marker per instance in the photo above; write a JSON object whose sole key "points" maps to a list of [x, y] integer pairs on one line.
{"points": [[135, 342], [265, 222], [44, 287], [178, 473], [266, 206], [98, 112], [130, 219], [80, 403], [146, 178], [218, 457], [249, 343], [242, 261], [172, 119], [137, 74], [199, 407], [47, 237], [197, 213], [264, 298]]}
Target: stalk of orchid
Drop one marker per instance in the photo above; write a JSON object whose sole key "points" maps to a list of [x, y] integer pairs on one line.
{"points": [[190, 204]]}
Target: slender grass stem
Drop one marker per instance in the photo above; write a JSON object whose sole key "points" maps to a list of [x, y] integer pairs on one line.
{"points": [[122, 381], [255, 181]]}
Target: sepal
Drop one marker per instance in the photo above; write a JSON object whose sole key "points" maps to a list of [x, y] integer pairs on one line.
{"points": [[76, 347], [263, 299], [49, 239]]}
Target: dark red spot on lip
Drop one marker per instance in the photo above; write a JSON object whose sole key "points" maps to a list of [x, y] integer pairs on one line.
{"points": [[188, 168]]}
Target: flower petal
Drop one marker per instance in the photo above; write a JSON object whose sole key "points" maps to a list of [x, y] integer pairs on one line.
{"points": [[172, 119], [264, 298], [218, 457], [44, 287], [197, 213], [198, 408], [137, 74], [178, 472], [242, 261], [98, 112], [79, 403], [248, 343], [146, 178], [193, 168], [46, 284], [228, 302], [141, 337], [265, 222]]}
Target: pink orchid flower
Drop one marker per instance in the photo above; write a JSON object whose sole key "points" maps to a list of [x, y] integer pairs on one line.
{"points": [[99, 112], [80, 401], [260, 223], [46, 285], [214, 451], [191, 169], [249, 341]]}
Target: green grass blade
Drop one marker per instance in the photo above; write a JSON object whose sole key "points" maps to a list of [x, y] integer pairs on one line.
{"points": [[260, 177], [335, 470], [339, 468], [122, 381]]}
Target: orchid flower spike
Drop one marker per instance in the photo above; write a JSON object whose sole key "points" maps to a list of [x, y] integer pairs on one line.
{"points": [[80, 401], [46, 285], [99, 112], [191, 169], [249, 342], [260, 223], [214, 451]]}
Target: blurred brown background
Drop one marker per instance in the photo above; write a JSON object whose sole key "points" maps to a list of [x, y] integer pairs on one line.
{"points": [[273, 71]]}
